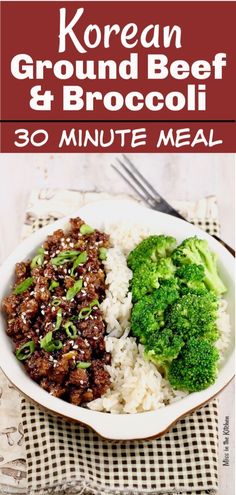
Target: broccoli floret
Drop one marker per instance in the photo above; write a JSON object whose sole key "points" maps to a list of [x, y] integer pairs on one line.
{"points": [[148, 314], [166, 268], [196, 366], [194, 315], [152, 248], [163, 347], [144, 322], [168, 292], [191, 278], [146, 278], [194, 250]]}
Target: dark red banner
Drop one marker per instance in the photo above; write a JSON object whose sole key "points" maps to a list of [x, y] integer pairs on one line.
{"points": [[116, 137], [164, 67]]}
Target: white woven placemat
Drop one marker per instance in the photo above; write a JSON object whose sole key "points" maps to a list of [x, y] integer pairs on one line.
{"points": [[70, 459]]}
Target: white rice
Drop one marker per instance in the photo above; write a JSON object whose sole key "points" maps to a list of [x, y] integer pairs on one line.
{"points": [[136, 384], [223, 324], [118, 303], [126, 237]]}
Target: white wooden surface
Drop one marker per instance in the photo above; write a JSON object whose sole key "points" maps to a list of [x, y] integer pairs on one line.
{"points": [[178, 176]]}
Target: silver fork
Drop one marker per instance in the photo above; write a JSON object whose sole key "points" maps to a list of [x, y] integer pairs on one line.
{"points": [[143, 188], [131, 175]]}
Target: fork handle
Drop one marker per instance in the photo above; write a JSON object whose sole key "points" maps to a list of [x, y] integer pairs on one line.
{"points": [[230, 249]]}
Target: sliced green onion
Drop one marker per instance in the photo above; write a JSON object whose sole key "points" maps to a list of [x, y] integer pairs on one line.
{"points": [[38, 259], [83, 365], [64, 257], [49, 344], [86, 229], [56, 302], [71, 330], [102, 253], [82, 258], [72, 291], [59, 319], [23, 286], [85, 312], [74, 318], [94, 303], [25, 351], [53, 285]]}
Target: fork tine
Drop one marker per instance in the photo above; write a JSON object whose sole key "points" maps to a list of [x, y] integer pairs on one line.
{"points": [[136, 171], [153, 198], [130, 183], [149, 198]]}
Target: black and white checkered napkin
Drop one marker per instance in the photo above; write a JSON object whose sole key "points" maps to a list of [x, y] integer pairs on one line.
{"points": [[65, 458]]}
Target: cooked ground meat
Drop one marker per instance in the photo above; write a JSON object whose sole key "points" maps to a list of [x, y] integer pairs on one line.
{"points": [[38, 365], [80, 378], [53, 314], [99, 378], [10, 305]]}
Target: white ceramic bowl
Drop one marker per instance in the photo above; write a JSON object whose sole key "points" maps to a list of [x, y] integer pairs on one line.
{"points": [[117, 426]]}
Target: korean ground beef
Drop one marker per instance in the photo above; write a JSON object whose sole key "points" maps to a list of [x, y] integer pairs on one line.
{"points": [[53, 314]]}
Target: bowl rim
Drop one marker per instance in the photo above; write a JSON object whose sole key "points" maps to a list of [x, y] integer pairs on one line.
{"points": [[100, 422]]}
